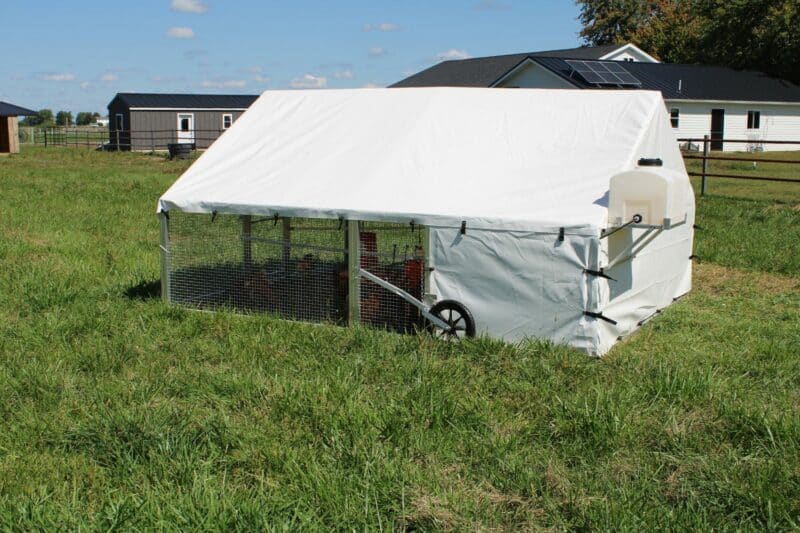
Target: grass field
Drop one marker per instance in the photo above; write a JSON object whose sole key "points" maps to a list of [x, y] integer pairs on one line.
{"points": [[119, 412]]}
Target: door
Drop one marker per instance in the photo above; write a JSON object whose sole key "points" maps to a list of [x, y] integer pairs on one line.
{"points": [[717, 128], [186, 128]]}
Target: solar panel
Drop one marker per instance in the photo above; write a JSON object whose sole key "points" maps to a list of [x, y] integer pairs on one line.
{"points": [[603, 73]]}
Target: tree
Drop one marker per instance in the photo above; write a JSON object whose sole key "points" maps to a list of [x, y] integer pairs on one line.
{"points": [[64, 118], [752, 34], [43, 117], [84, 118]]}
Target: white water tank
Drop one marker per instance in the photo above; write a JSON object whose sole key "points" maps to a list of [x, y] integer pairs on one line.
{"points": [[660, 196]]}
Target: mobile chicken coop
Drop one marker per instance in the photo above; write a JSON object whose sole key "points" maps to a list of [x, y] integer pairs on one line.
{"points": [[555, 214]]}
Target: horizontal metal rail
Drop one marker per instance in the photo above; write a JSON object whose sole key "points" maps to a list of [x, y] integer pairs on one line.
{"points": [[736, 177], [742, 159], [740, 141]]}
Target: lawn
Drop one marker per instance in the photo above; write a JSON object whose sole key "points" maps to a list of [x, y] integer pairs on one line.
{"points": [[119, 412]]}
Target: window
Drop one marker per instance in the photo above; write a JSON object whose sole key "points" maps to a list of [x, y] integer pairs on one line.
{"points": [[184, 124], [753, 120], [227, 120], [674, 117], [119, 122]]}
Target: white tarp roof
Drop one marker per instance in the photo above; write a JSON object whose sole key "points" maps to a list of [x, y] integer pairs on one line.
{"points": [[523, 158]]}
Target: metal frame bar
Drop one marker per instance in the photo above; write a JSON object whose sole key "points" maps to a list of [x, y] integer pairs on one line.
{"points": [[405, 296], [631, 250]]}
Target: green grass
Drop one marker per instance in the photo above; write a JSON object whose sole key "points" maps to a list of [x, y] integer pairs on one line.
{"points": [[119, 412]]}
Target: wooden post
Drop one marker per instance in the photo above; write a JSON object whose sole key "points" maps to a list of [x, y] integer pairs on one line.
{"points": [[165, 257], [353, 278], [286, 223], [45, 137], [152, 142], [706, 147], [247, 243]]}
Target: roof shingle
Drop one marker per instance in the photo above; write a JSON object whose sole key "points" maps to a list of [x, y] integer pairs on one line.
{"points": [[186, 101]]}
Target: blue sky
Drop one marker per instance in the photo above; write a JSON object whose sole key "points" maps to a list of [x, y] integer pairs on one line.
{"points": [[77, 54]]}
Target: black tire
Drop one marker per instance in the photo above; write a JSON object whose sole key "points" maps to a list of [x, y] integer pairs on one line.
{"points": [[457, 316]]}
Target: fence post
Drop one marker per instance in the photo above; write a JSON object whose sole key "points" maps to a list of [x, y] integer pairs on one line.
{"points": [[247, 243], [117, 135], [166, 268], [353, 278], [152, 142], [703, 182], [45, 137]]}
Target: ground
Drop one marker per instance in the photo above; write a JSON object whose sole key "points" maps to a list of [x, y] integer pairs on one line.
{"points": [[119, 412]]}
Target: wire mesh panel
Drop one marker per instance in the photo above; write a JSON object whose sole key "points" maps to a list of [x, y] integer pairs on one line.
{"points": [[394, 253], [295, 268]]}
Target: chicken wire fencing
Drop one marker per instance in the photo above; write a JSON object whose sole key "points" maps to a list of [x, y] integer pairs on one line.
{"points": [[394, 253], [295, 268]]}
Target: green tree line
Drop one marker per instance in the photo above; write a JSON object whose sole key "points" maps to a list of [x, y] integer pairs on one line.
{"points": [[745, 34], [46, 118]]}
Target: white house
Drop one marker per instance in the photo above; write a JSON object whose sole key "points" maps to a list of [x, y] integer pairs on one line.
{"points": [[721, 102]]}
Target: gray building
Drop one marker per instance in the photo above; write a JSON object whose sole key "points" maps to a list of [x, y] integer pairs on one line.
{"points": [[149, 121]]}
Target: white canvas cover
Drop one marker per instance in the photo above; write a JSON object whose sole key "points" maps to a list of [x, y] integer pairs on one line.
{"points": [[527, 170]]}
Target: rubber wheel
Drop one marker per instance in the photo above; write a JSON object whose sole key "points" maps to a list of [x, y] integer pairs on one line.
{"points": [[457, 317]]}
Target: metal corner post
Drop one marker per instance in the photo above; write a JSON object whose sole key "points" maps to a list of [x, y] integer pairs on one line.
{"points": [[353, 274], [165, 257]]}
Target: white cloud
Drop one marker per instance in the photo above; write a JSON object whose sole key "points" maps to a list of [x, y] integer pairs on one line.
{"points": [[309, 81], [254, 70], [377, 51], [85, 85], [384, 27], [180, 33], [109, 77], [189, 6], [452, 54], [344, 75], [262, 79], [223, 84], [58, 76]]}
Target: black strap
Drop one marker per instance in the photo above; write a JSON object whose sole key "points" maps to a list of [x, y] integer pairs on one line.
{"points": [[598, 273], [600, 316], [463, 227]]}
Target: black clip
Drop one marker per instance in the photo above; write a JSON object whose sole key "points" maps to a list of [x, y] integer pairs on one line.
{"points": [[696, 227], [692, 257], [165, 213], [598, 273], [463, 227], [601, 317], [213, 216], [561, 234], [275, 219]]}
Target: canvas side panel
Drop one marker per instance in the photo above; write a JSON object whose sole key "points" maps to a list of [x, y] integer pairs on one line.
{"points": [[517, 284]]}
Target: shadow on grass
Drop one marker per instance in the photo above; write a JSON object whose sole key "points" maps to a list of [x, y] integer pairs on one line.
{"points": [[145, 290]]}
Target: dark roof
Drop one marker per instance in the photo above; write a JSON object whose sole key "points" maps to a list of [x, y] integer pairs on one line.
{"points": [[485, 71], [697, 82], [11, 110], [186, 101]]}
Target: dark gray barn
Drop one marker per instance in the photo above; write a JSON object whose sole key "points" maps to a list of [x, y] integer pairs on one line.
{"points": [[150, 121]]}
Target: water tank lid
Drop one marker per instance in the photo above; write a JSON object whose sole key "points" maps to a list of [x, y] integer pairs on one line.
{"points": [[651, 162]]}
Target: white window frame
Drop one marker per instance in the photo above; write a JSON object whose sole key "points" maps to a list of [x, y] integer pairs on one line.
{"points": [[675, 120], [230, 115], [754, 113]]}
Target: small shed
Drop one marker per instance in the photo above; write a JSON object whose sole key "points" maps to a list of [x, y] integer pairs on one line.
{"points": [[152, 121], [9, 127], [564, 215]]}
